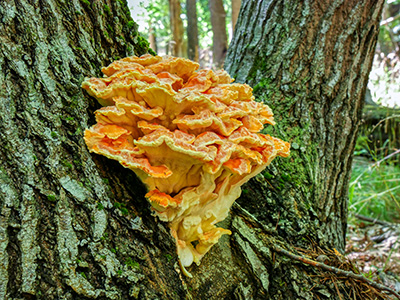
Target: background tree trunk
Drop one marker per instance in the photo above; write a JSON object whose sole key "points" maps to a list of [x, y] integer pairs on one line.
{"points": [[192, 30], [76, 226], [309, 61], [235, 12], [176, 28], [152, 38], [220, 40]]}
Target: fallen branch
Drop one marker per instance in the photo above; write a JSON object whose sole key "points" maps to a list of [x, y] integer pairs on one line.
{"points": [[383, 120], [335, 270], [374, 220]]}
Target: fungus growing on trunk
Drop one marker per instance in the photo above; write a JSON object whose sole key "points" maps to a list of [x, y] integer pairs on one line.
{"points": [[191, 137]]}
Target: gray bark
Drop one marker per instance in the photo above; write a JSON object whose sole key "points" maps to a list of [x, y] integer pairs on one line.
{"points": [[68, 229], [309, 61]]}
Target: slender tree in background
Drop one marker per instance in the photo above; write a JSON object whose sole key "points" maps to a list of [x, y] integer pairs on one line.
{"points": [[152, 38], [176, 24], [235, 12], [76, 226], [192, 30], [218, 23]]}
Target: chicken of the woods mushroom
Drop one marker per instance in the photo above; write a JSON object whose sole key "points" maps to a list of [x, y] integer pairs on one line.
{"points": [[190, 135]]}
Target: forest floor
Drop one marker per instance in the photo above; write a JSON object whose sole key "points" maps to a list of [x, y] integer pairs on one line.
{"points": [[374, 247]]}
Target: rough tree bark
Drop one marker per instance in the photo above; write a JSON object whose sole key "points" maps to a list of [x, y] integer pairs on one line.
{"points": [[76, 226], [65, 230], [310, 62], [220, 39], [176, 25], [192, 30]]}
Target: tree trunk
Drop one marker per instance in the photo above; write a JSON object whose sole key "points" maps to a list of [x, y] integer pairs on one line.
{"points": [[235, 12], [68, 227], [152, 39], [76, 226], [220, 40], [192, 30], [309, 61], [176, 28]]}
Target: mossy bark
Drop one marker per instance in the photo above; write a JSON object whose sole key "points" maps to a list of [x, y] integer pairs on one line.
{"points": [[309, 61], [67, 228]]}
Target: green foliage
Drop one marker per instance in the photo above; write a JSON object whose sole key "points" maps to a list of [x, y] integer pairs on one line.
{"points": [[157, 17], [375, 189]]}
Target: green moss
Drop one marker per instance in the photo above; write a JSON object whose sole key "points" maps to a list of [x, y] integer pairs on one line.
{"points": [[131, 24], [131, 263], [77, 163], [267, 175], [100, 206], [262, 85], [151, 51], [169, 257], [67, 164], [104, 237], [86, 2], [110, 29], [122, 208], [51, 198], [54, 134], [107, 9]]}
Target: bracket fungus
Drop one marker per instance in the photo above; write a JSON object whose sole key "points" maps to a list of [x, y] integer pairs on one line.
{"points": [[190, 136]]}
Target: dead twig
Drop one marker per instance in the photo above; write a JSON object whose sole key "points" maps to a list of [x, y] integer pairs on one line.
{"points": [[383, 120], [335, 270], [374, 220]]}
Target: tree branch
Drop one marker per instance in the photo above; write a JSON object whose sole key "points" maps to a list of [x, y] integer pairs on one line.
{"points": [[335, 270]]}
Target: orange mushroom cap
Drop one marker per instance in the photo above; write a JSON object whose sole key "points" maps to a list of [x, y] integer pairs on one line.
{"points": [[190, 136]]}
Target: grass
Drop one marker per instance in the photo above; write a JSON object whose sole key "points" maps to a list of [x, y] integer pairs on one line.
{"points": [[375, 189]]}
